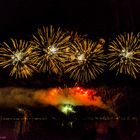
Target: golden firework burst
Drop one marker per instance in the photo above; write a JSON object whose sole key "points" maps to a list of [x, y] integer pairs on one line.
{"points": [[76, 36], [16, 55], [49, 45], [124, 54], [86, 60]]}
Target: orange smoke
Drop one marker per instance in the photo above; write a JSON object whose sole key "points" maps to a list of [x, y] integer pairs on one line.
{"points": [[58, 96], [76, 96]]}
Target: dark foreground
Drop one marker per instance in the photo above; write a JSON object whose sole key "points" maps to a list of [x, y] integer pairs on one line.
{"points": [[43, 129]]}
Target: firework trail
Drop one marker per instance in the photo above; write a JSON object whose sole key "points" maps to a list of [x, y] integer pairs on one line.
{"points": [[124, 54], [17, 56], [49, 45]]}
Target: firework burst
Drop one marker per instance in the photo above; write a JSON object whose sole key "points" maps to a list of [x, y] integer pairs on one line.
{"points": [[76, 36], [66, 109], [86, 60], [49, 45], [124, 54], [17, 56]]}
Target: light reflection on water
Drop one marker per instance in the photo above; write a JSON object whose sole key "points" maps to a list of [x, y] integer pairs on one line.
{"points": [[29, 129], [12, 129]]}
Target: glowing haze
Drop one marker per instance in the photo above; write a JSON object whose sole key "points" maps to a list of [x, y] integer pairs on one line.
{"points": [[76, 96]]}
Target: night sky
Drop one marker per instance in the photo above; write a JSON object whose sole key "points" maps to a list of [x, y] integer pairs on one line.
{"points": [[97, 18]]}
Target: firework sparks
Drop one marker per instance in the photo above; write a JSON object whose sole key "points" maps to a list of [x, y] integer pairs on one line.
{"points": [[84, 92], [49, 45], [86, 60], [17, 56], [76, 36], [67, 109], [124, 54]]}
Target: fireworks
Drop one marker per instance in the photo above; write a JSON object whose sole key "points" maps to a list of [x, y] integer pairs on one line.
{"points": [[85, 92], [86, 60], [58, 52], [17, 56], [49, 45], [124, 54], [67, 109], [76, 36]]}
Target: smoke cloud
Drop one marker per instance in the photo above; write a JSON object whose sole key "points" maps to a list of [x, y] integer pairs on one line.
{"points": [[13, 97]]}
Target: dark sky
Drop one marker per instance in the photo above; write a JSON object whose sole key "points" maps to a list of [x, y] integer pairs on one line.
{"points": [[95, 17], [98, 18]]}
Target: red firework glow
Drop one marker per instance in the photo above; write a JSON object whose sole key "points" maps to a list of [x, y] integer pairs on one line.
{"points": [[83, 91]]}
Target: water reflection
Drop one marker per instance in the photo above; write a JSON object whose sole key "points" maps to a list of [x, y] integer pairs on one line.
{"points": [[22, 125], [33, 129]]}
